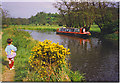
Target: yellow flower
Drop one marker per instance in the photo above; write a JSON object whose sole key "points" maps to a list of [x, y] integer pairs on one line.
{"points": [[68, 49], [43, 62], [44, 71], [68, 53], [53, 56], [43, 51], [42, 66]]}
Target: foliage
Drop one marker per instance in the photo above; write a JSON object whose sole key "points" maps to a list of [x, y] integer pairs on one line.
{"points": [[95, 28], [45, 53], [107, 17], [84, 14], [5, 19], [41, 18], [48, 61], [76, 14], [113, 36], [110, 27]]}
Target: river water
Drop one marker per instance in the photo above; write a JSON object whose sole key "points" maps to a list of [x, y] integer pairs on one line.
{"points": [[97, 58]]}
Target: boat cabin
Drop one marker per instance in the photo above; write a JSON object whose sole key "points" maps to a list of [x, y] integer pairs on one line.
{"points": [[81, 30]]}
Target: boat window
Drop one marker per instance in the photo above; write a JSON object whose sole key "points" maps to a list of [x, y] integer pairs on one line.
{"points": [[60, 29], [67, 30], [72, 30], [63, 29], [77, 30]]}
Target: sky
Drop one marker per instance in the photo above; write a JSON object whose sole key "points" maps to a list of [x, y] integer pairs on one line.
{"points": [[29, 0], [43, 0], [27, 8]]}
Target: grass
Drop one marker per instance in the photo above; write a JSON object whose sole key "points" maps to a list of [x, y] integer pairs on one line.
{"points": [[24, 43], [95, 28], [3, 63], [34, 27], [113, 36]]}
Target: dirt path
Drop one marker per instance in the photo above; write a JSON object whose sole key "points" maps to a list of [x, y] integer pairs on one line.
{"points": [[7, 74]]}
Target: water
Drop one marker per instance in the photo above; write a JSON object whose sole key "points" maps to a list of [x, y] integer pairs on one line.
{"points": [[96, 57]]}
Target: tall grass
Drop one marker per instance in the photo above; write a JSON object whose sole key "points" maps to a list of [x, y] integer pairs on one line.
{"points": [[24, 43]]}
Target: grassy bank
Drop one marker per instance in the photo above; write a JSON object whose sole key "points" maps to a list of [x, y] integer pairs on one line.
{"points": [[113, 36], [95, 30], [34, 27], [24, 43]]}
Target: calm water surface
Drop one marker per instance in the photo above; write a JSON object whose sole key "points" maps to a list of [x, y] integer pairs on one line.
{"points": [[96, 57]]}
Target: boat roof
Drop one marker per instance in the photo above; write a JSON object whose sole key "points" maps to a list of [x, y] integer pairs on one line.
{"points": [[70, 28]]}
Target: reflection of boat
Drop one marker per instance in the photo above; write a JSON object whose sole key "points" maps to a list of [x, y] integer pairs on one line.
{"points": [[73, 32], [84, 40], [81, 40]]}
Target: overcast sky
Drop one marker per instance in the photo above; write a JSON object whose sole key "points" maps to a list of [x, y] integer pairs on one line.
{"points": [[27, 8], [29, 0], [46, 0]]}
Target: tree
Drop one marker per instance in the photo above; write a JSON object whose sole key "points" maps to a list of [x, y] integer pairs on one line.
{"points": [[76, 14], [107, 16], [83, 14], [5, 19]]}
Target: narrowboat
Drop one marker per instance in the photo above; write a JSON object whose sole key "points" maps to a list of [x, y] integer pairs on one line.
{"points": [[79, 32]]}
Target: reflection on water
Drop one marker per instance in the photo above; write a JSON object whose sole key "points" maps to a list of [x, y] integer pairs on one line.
{"points": [[95, 57]]}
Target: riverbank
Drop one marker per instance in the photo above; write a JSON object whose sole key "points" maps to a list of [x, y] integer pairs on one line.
{"points": [[95, 30], [113, 36], [34, 27], [24, 43]]}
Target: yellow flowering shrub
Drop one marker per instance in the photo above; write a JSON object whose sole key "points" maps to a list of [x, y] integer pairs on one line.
{"points": [[46, 58]]}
